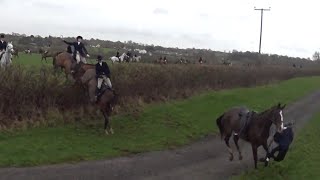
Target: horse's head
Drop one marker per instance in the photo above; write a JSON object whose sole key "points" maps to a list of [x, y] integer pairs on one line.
{"points": [[277, 116], [10, 47]]}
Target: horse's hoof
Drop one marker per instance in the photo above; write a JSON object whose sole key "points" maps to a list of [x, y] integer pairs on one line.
{"points": [[240, 158], [111, 131], [106, 131], [231, 158], [266, 163]]}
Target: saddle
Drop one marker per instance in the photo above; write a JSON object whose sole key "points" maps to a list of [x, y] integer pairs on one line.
{"points": [[103, 89], [245, 118]]}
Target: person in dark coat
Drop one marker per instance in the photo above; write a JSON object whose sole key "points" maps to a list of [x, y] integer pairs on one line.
{"points": [[80, 52], [69, 49], [200, 60], [118, 54], [3, 43], [102, 74], [283, 139]]}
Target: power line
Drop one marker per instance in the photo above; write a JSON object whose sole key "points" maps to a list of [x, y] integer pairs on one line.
{"points": [[261, 9]]}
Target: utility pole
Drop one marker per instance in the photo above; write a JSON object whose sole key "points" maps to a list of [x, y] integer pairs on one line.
{"points": [[262, 9]]}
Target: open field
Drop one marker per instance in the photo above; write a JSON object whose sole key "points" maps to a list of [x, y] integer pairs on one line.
{"points": [[157, 127], [301, 162]]}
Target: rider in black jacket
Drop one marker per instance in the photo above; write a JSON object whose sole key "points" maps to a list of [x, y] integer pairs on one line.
{"points": [[80, 51], [283, 140], [103, 75], [3, 43]]}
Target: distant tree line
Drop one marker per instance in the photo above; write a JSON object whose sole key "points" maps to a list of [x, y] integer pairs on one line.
{"points": [[109, 48]]}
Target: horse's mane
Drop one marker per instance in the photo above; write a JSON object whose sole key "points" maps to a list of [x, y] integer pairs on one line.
{"points": [[264, 115]]}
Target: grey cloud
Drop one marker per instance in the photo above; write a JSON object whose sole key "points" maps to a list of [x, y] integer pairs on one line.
{"points": [[204, 15], [47, 5], [160, 11], [294, 49]]}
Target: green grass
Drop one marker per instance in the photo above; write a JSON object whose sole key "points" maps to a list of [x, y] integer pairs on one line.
{"points": [[302, 160], [158, 127], [33, 60]]}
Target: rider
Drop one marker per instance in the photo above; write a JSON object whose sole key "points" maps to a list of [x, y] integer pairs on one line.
{"points": [[102, 74], [200, 60], [79, 50], [3, 43], [283, 139], [118, 55], [129, 53]]}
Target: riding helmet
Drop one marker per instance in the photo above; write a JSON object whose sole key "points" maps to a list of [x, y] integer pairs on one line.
{"points": [[79, 37], [99, 57]]}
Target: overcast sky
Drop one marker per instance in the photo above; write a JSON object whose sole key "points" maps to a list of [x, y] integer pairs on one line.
{"points": [[290, 28]]}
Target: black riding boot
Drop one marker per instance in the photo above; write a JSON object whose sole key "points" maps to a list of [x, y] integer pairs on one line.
{"points": [[97, 92]]}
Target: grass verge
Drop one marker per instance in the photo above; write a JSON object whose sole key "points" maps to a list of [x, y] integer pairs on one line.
{"points": [[158, 127], [301, 162]]}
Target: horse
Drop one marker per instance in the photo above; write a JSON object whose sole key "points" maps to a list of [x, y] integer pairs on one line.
{"points": [[227, 63], [5, 57], [161, 61], [250, 126], [123, 57], [180, 61], [64, 61], [136, 59], [28, 51], [47, 54], [85, 75]]}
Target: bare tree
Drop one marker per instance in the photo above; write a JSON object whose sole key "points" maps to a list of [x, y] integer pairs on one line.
{"points": [[316, 56]]}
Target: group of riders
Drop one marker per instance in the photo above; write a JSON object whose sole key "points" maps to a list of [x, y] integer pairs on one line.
{"points": [[102, 69]]}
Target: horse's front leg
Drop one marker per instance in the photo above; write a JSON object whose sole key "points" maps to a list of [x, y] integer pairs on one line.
{"points": [[236, 139], [265, 147], [254, 152], [226, 139], [107, 128]]}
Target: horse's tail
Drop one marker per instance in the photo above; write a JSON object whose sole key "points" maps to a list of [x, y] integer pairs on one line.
{"points": [[219, 124]]}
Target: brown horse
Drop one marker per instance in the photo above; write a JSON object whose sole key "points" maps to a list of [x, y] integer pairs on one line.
{"points": [[85, 75], [161, 61], [47, 54], [250, 126], [64, 61], [227, 63]]}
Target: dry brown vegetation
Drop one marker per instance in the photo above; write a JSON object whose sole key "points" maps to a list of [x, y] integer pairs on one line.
{"points": [[33, 96]]}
